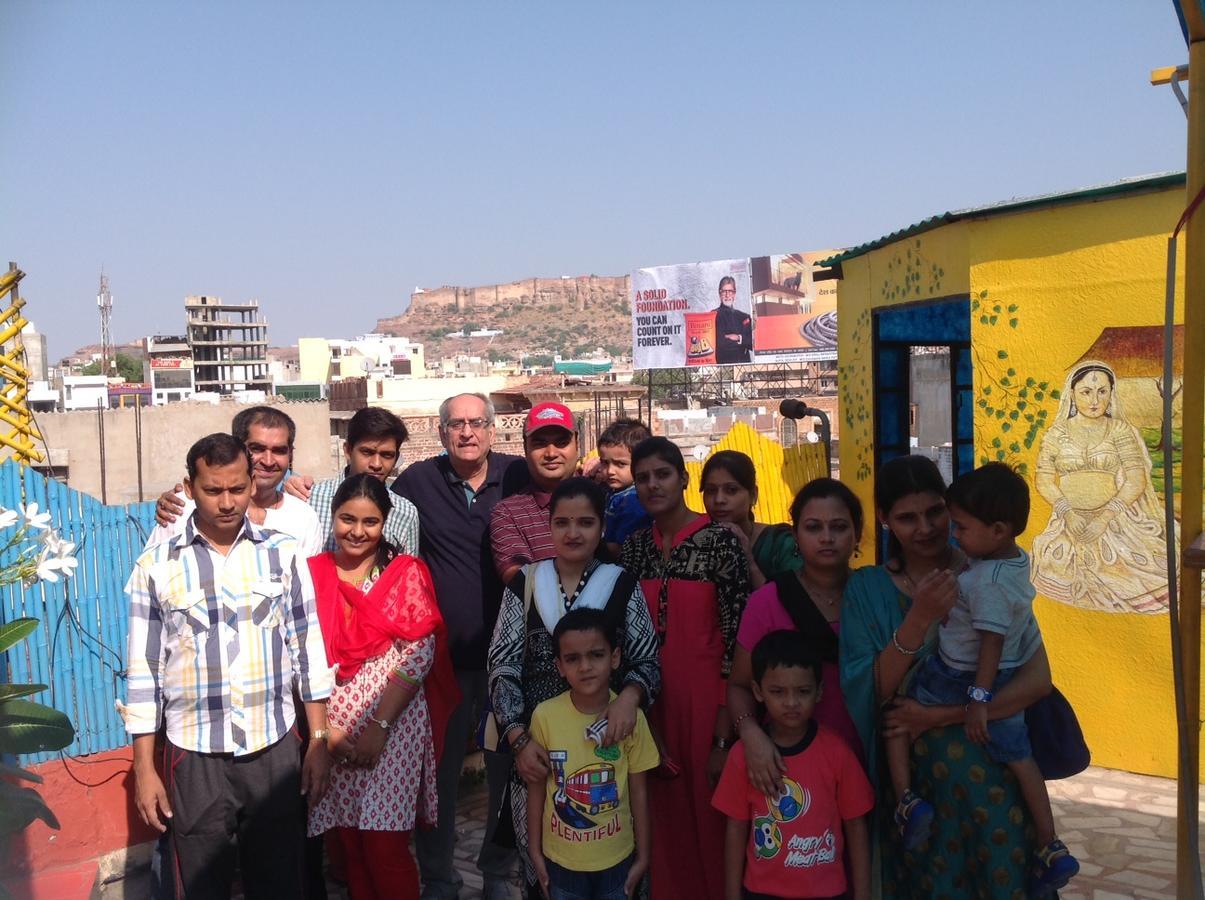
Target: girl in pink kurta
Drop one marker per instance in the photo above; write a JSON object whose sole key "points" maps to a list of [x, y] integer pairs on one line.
{"points": [[696, 579], [827, 520], [394, 689]]}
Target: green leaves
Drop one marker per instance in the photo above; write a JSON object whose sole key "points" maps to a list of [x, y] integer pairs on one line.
{"points": [[12, 633], [27, 727]]}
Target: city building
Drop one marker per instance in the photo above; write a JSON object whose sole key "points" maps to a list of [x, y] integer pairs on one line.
{"points": [[83, 392], [35, 353], [371, 355], [168, 368], [229, 344]]}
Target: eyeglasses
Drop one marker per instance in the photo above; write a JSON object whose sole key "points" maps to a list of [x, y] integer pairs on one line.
{"points": [[458, 424], [731, 291]]}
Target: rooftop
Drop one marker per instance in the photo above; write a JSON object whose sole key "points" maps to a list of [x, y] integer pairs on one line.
{"points": [[1138, 184]]}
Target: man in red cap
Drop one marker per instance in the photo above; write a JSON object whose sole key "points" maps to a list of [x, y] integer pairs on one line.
{"points": [[520, 531]]}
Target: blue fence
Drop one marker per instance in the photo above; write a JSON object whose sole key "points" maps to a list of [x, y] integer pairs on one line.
{"points": [[79, 650]]}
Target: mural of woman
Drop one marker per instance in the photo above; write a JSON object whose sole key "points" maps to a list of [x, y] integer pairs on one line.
{"points": [[1103, 548]]}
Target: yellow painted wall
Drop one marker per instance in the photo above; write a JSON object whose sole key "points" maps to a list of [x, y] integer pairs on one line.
{"points": [[781, 471], [924, 268], [1043, 283], [1065, 273]]}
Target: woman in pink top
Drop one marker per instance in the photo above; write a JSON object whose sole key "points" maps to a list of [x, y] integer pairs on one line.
{"points": [[827, 520]]}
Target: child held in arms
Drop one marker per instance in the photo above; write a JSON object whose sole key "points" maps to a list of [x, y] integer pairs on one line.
{"points": [[588, 826], [793, 845], [989, 634], [624, 512]]}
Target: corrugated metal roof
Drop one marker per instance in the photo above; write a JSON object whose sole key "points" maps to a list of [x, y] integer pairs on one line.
{"points": [[1096, 192]]}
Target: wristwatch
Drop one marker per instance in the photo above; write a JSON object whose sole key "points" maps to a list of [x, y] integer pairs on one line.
{"points": [[384, 723], [721, 743], [978, 694]]}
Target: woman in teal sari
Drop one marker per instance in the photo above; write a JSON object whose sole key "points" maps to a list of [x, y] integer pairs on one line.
{"points": [[983, 842]]}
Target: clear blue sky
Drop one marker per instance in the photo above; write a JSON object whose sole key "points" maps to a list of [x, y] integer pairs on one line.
{"points": [[327, 158]]}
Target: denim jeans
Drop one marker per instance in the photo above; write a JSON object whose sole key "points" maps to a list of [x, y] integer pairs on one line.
{"points": [[565, 884]]}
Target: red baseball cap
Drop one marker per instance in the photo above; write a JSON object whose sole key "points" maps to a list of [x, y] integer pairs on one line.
{"points": [[549, 415]]}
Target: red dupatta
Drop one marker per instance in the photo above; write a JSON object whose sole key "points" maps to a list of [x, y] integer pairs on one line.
{"points": [[400, 606]]}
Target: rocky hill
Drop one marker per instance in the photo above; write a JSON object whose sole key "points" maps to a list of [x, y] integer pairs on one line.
{"points": [[570, 316]]}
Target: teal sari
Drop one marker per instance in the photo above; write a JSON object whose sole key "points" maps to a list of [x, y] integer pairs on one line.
{"points": [[983, 839]]}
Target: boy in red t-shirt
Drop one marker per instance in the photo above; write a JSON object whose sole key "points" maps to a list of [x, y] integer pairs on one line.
{"points": [[797, 841]]}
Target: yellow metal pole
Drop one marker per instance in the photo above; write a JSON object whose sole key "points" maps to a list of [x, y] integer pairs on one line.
{"points": [[1193, 405]]}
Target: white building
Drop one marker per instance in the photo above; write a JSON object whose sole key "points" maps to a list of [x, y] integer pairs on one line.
{"points": [[168, 369], [84, 392]]}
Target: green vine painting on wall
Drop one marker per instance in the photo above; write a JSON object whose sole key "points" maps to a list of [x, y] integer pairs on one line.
{"points": [[1018, 405], [910, 276], [855, 395]]}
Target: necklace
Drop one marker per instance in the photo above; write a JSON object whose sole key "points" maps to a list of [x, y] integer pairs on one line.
{"points": [[832, 595], [947, 559]]}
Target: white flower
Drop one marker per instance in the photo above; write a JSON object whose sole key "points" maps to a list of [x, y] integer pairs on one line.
{"points": [[33, 518], [51, 541], [67, 563], [8, 518], [48, 566]]}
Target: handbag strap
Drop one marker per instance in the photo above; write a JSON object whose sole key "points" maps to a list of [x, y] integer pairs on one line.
{"points": [[805, 615]]}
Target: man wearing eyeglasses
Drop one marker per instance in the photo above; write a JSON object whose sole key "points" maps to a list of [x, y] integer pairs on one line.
{"points": [[733, 328], [454, 495]]}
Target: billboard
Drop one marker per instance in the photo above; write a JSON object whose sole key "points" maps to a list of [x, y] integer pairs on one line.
{"points": [[733, 312]]}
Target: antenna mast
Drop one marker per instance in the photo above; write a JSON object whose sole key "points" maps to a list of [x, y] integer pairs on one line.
{"points": [[104, 303]]}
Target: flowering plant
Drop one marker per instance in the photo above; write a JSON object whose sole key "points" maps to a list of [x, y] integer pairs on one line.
{"points": [[45, 559], [26, 726]]}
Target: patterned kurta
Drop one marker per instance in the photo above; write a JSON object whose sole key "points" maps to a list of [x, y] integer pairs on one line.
{"points": [[401, 787]]}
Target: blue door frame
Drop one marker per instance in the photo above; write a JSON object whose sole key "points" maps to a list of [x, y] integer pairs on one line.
{"points": [[940, 323]]}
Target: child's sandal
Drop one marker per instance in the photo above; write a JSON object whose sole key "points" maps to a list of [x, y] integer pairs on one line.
{"points": [[1056, 867], [914, 818]]}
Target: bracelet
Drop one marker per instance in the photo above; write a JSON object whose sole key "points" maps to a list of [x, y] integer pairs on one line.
{"points": [[402, 680], [520, 742], [320, 734], [736, 726], [895, 641]]}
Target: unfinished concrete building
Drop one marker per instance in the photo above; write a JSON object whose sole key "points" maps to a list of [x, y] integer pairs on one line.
{"points": [[229, 345]]}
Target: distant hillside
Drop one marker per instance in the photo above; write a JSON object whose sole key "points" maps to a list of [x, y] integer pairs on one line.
{"points": [[570, 316]]}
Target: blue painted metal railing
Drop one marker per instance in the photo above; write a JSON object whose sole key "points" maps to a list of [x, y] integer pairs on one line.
{"points": [[79, 651]]}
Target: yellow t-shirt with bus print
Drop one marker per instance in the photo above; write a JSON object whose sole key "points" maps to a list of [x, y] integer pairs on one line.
{"points": [[587, 815]]}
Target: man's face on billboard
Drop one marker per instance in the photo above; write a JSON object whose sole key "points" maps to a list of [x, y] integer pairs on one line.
{"points": [[727, 293]]}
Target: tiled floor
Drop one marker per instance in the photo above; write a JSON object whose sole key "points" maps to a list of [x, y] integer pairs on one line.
{"points": [[1122, 827]]}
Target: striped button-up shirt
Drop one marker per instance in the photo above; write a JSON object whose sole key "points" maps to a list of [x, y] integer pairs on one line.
{"points": [[401, 525], [520, 529], [216, 643]]}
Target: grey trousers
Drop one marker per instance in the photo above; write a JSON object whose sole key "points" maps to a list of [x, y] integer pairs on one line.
{"points": [[236, 808], [434, 847]]}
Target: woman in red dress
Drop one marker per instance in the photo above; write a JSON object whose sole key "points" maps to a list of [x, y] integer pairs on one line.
{"points": [[696, 579], [394, 690]]}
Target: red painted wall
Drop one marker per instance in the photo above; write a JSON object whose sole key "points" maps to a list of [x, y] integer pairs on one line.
{"points": [[93, 799]]}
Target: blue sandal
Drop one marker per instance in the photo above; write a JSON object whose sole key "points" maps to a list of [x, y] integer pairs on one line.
{"points": [[1056, 866], [914, 818]]}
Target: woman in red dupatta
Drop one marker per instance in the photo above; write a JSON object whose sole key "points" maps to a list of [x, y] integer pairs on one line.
{"points": [[395, 688]]}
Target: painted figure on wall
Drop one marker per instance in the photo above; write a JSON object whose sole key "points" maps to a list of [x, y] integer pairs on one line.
{"points": [[1103, 548]]}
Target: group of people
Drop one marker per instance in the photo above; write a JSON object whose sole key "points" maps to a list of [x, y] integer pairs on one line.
{"points": [[672, 704]]}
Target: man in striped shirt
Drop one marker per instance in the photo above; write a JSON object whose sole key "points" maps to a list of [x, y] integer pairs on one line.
{"points": [[374, 447], [520, 531], [222, 626]]}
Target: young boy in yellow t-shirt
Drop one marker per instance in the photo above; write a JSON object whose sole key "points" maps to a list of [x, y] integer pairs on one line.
{"points": [[588, 830]]}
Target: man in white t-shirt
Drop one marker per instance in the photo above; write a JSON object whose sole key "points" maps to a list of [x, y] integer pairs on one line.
{"points": [[269, 435]]}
